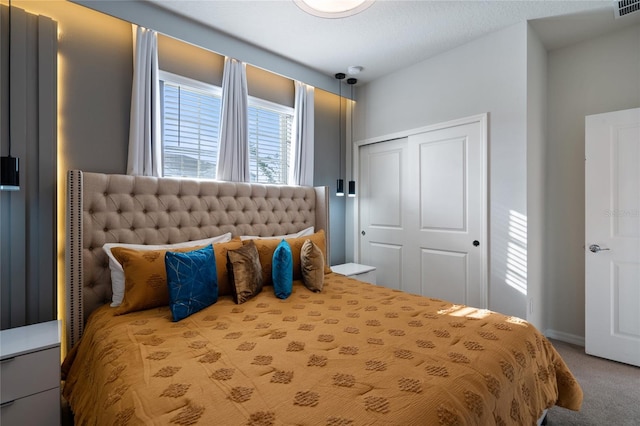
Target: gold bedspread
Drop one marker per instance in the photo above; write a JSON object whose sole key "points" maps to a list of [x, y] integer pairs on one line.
{"points": [[355, 354]]}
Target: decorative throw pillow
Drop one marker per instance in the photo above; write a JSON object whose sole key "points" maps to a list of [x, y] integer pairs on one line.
{"points": [[296, 245], [267, 247], [282, 270], [220, 251], [312, 262], [145, 278], [245, 272], [192, 280], [117, 273]]}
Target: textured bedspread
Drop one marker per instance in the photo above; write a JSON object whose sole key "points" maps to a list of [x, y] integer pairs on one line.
{"points": [[355, 354]]}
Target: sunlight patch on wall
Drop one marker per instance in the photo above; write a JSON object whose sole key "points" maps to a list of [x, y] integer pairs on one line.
{"points": [[516, 274]]}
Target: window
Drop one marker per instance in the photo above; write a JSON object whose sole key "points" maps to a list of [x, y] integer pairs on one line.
{"points": [[191, 125], [269, 141]]}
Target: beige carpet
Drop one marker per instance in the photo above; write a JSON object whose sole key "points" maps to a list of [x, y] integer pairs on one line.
{"points": [[611, 391]]}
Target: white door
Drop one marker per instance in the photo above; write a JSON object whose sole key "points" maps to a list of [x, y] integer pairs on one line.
{"points": [[423, 212], [612, 234], [384, 187]]}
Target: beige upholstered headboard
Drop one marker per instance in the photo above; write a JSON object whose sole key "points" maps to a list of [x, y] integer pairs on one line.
{"points": [[107, 208]]}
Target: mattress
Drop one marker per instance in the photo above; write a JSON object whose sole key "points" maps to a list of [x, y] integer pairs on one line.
{"points": [[354, 354]]}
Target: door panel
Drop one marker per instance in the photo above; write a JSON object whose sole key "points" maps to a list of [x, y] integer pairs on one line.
{"points": [[383, 214], [384, 188], [388, 260], [626, 294], [444, 274], [612, 221], [442, 184], [451, 200]]}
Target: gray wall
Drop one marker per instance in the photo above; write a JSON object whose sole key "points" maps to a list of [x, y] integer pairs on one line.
{"points": [[486, 75], [591, 77]]}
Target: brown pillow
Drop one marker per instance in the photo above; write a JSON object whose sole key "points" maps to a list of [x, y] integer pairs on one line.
{"points": [[312, 261], [145, 278], [245, 273], [220, 252], [267, 247]]}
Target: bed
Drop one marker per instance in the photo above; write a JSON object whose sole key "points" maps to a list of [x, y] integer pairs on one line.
{"points": [[351, 354]]}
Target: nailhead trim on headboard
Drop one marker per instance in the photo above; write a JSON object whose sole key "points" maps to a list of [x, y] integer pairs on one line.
{"points": [[105, 208]]}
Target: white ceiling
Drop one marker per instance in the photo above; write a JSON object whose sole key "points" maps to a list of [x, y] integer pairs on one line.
{"points": [[392, 34]]}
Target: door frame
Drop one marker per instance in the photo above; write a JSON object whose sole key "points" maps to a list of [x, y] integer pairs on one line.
{"points": [[482, 119]]}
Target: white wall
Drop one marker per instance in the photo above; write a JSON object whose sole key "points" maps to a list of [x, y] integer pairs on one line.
{"points": [[536, 144], [595, 76], [486, 75]]}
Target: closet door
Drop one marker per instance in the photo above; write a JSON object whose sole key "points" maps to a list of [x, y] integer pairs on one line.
{"points": [[423, 212], [383, 210]]}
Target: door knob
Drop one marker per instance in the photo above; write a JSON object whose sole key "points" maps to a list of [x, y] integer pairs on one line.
{"points": [[363, 233], [594, 248]]}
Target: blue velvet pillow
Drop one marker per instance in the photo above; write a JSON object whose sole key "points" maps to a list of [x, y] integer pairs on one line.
{"points": [[192, 280], [282, 270]]}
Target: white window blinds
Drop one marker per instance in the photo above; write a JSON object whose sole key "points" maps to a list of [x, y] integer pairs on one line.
{"points": [[190, 129], [269, 141], [191, 119]]}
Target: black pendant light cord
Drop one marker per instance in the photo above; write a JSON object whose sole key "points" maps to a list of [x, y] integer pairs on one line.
{"points": [[340, 184], [9, 82], [352, 183]]}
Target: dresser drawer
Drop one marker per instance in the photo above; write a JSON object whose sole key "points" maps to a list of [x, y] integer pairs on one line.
{"points": [[30, 373], [41, 409]]}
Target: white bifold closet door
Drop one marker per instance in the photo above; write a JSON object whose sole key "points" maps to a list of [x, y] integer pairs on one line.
{"points": [[423, 212]]}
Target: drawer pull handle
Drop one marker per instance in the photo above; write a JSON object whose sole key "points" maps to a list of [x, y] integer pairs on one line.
{"points": [[7, 360], [8, 403]]}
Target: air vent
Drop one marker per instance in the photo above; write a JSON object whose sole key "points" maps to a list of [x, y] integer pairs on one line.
{"points": [[625, 7]]}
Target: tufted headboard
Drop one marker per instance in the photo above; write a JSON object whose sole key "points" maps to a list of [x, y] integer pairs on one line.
{"points": [[108, 208]]}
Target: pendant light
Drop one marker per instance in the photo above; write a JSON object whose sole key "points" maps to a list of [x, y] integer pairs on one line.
{"points": [[9, 170], [352, 183], [340, 184]]}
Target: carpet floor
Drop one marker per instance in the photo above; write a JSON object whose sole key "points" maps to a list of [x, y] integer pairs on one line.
{"points": [[611, 391]]}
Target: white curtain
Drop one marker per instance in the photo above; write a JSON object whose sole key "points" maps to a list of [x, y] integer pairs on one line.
{"points": [[301, 171], [145, 151], [233, 148]]}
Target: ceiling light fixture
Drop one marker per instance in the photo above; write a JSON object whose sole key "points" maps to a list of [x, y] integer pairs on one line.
{"points": [[333, 8]]}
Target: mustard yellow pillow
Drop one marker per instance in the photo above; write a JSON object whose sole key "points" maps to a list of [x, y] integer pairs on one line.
{"points": [[267, 247], [312, 264], [145, 278]]}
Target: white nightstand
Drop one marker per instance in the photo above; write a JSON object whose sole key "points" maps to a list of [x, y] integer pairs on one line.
{"points": [[30, 375], [355, 270]]}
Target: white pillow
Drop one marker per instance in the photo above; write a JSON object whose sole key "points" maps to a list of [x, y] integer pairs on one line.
{"points": [[303, 233], [117, 273]]}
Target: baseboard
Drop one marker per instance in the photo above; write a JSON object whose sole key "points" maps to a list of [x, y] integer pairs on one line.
{"points": [[564, 337]]}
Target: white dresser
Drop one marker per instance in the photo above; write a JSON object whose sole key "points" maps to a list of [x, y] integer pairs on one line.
{"points": [[30, 375], [355, 270]]}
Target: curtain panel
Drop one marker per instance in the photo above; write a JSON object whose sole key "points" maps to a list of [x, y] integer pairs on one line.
{"points": [[145, 150], [233, 150], [301, 171]]}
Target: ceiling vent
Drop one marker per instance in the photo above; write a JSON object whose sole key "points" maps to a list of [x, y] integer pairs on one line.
{"points": [[625, 7]]}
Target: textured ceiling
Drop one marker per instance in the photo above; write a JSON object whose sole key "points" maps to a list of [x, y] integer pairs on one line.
{"points": [[391, 34]]}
